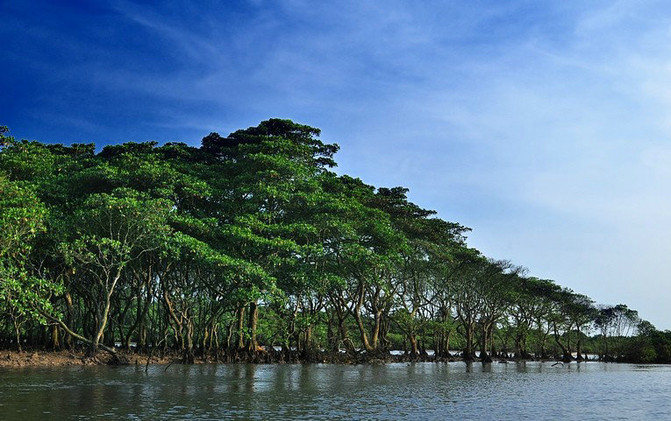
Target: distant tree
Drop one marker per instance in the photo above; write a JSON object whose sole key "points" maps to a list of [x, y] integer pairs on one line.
{"points": [[615, 323]]}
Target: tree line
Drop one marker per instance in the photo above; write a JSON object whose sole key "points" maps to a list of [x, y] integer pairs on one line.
{"points": [[250, 247]]}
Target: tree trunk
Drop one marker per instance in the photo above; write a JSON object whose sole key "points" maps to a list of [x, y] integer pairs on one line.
{"points": [[414, 350], [69, 331], [332, 342], [469, 355], [142, 308], [17, 333], [101, 324], [69, 316], [375, 336], [342, 327], [252, 324], [566, 353], [579, 356], [102, 314], [188, 357], [55, 338], [359, 321], [484, 352], [175, 322], [362, 332], [229, 335], [446, 344], [241, 327], [206, 343]]}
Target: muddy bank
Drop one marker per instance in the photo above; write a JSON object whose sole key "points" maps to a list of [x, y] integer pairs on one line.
{"points": [[41, 358], [13, 359]]}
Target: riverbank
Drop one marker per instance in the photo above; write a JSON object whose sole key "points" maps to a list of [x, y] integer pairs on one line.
{"points": [[42, 358], [46, 358]]}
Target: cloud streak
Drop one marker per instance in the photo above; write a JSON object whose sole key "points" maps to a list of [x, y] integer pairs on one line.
{"points": [[544, 126]]}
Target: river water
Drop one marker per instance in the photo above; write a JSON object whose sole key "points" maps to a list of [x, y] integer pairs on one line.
{"points": [[420, 391]]}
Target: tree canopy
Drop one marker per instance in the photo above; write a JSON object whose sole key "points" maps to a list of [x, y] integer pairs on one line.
{"points": [[251, 245]]}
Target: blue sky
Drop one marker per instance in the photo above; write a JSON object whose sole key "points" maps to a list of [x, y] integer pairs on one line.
{"points": [[542, 125]]}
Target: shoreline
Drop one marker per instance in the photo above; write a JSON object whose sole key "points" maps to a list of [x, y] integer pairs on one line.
{"points": [[45, 359], [11, 359]]}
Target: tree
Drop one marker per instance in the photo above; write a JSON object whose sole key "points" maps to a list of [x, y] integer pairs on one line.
{"points": [[467, 300], [110, 231], [270, 177], [615, 323], [22, 294], [531, 308], [426, 253], [254, 238], [496, 289]]}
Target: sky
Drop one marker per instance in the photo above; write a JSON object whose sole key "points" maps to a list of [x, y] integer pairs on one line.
{"points": [[542, 125]]}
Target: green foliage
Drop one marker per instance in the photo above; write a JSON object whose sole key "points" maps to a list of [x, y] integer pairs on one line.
{"points": [[252, 238], [24, 296]]}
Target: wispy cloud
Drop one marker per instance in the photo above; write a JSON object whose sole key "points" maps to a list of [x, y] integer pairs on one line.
{"points": [[544, 126]]}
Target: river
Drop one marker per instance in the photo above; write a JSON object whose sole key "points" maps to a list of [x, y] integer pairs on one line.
{"points": [[420, 391]]}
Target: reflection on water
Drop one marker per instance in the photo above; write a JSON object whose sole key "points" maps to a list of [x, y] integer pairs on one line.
{"points": [[457, 390]]}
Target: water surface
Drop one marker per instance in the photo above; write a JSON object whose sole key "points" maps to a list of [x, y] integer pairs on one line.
{"points": [[421, 391]]}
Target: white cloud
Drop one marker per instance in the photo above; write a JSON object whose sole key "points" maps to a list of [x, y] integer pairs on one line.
{"points": [[565, 146], [544, 126]]}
